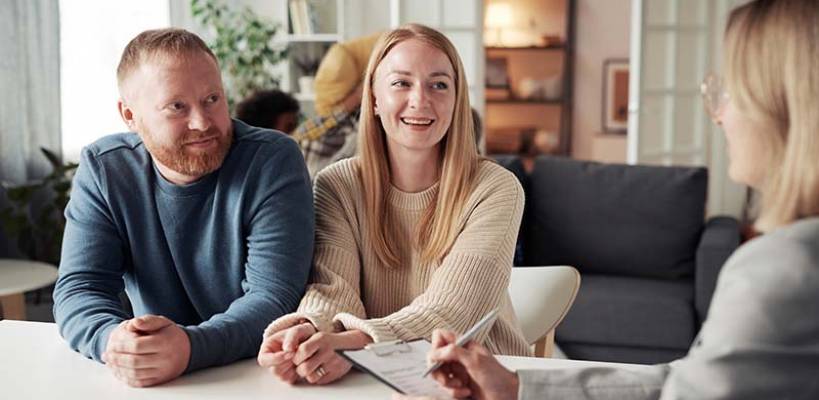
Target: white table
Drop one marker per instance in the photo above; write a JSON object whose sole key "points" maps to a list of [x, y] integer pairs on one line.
{"points": [[18, 277], [35, 363]]}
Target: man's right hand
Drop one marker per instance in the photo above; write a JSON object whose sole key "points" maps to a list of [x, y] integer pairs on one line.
{"points": [[147, 350], [278, 349]]}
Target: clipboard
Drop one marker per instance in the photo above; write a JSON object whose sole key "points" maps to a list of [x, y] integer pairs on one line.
{"points": [[398, 364]]}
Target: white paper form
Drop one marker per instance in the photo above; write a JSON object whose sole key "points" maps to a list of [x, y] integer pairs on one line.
{"points": [[401, 366]]}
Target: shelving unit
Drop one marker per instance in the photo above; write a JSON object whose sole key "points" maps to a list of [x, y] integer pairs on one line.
{"points": [[514, 121], [328, 28], [316, 37]]}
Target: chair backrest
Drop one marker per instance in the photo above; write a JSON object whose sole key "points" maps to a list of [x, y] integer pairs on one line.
{"points": [[541, 297]]}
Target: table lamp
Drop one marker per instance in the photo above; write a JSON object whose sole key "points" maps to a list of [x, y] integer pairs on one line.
{"points": [[498, 17]]}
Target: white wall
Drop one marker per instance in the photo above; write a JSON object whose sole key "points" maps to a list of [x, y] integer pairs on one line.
{"points": [[92, 36], [363, 17], [602, 32], [726, 196]]}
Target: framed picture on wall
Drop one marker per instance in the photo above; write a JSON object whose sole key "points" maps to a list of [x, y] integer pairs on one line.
{"points": [[497, 75], [615, 95]]}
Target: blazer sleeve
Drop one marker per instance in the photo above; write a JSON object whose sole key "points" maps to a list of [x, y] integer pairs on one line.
{"points": [[761, 339], [593, 383]]}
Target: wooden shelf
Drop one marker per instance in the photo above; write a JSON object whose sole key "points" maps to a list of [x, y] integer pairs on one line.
{"points": [[315, 37], [310, 29], [543, 64]]}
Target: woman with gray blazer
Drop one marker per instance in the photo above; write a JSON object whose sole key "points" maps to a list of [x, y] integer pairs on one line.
{"points": [[761, 338]]}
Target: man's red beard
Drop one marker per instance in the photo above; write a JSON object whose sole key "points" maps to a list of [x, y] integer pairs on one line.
{"points": [[188, 161]]}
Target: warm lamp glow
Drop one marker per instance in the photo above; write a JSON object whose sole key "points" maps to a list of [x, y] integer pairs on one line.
{"points": [[499, 15]]}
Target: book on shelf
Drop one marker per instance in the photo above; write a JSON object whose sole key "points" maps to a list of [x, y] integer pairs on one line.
{"points": [[295, 20], [303, 17], [311, 16], [304, 14]]}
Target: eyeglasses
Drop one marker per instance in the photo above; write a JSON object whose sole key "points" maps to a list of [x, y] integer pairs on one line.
{"points": [[714, 96]]}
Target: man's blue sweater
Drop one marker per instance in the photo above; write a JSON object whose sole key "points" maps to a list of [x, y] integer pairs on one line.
{"points": [[221, 257]]}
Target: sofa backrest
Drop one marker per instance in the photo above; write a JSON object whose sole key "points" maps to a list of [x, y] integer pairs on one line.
{"points": [[515, 165], [630, 220]]}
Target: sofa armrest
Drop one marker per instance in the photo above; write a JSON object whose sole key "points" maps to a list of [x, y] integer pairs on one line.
{"points": [[719, 240]]}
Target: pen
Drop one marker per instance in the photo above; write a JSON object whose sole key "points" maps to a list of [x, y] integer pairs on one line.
{"points": [[469, 335]]}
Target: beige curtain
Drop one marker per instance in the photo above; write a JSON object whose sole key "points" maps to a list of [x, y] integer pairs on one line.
{"points": [[29, 91], [29, 87]]}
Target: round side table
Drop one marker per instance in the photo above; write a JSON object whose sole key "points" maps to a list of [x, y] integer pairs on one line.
{"points": [[18, 277]]}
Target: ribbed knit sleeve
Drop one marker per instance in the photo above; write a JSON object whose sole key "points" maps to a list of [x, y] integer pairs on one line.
{"points": [[472, 278], [334, 283]]}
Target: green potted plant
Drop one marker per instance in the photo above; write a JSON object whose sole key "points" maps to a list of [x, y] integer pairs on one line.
{"points": [[34, 216], [243, 43]]}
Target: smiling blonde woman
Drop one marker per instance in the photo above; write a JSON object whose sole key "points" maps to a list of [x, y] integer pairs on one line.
{"points": [[416, 233]]}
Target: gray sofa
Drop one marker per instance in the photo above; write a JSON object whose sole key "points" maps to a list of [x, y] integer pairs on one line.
{"points": [[638, 235]]}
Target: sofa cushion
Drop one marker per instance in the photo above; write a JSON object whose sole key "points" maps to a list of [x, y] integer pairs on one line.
{"points": [[640, 312], [620, 354], [627, 220]]}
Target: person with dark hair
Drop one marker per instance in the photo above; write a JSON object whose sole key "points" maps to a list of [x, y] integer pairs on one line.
{"points": [[271, 109]]}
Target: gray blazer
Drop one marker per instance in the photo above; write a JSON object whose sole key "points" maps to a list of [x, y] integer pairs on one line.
{"points": [[761, 339]]}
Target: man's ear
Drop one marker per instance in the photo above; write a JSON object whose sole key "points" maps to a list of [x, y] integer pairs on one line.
{"points": [[126, 114]]}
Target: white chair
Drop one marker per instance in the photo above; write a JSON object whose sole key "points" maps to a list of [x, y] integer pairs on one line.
{"points": [[541, 297]]}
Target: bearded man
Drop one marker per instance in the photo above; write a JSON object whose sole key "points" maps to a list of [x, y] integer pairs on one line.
{"points": [[206, 223]]}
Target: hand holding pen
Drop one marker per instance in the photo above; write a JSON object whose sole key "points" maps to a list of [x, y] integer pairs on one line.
{"points": [[470, 371], [485, 322]]}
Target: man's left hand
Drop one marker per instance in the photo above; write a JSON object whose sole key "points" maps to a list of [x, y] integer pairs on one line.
{"points": [[159, 351]]}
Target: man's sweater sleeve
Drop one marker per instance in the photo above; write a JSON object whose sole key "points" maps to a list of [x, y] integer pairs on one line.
{"points": [[336, 279], [86, 295], [279, 255]]}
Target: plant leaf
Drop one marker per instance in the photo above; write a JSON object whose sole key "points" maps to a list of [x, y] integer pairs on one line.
{"points": [[52, 157]]}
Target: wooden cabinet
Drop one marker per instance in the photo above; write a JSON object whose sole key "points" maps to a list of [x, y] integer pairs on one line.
{"points": [[529, 92]]}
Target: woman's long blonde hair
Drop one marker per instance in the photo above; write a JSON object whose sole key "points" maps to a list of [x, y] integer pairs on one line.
{"points": [[437, 229], [772, 73]]}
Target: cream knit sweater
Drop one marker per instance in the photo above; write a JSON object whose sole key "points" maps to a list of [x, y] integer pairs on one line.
{"points": [[351, 286]]}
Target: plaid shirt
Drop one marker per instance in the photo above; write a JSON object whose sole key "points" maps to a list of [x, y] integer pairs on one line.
{"points": [[327, 138], [315, 127]]}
